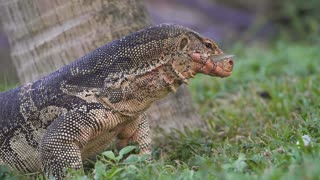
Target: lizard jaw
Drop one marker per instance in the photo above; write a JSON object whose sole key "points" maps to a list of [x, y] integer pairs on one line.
{"points": [[220, 65]]}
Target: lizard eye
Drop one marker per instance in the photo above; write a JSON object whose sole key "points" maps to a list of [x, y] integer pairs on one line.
{"points": [[208, 45]]}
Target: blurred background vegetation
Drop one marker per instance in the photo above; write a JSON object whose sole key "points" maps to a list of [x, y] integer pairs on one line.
{"points": [[226, 21], [243, 20]]}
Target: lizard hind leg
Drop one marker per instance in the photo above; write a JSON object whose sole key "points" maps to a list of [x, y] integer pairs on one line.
{"points": [[136, 131]]}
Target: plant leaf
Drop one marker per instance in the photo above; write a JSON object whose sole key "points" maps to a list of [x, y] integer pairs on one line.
{"points": [[99, 169], [132, 159], [114, 171], [110, 155], [125, 151]]}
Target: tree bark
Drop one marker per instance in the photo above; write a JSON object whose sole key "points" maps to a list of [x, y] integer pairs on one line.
{"points": [[44, 35], [8, 76]]}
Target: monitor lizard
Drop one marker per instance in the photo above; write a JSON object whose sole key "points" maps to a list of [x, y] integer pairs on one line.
{"points": [[74, 113]]}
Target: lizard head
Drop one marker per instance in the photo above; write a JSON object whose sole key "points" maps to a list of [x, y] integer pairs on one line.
{"points": [[202, 56]]}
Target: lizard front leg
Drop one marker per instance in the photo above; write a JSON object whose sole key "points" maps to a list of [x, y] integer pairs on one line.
{"points": [[60, 148], [136, 131]]}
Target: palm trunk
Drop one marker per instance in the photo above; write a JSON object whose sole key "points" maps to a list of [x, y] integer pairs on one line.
{"points": [[44, 35]]}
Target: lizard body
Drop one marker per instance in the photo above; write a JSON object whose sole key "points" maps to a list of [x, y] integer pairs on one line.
{"points": [[75, 112]]}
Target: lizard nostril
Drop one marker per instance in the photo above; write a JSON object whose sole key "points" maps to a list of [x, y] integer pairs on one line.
{"points": [[230, 62]]}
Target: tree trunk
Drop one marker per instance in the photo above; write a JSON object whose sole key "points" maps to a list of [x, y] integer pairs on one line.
{"points": [[8, 76], [44, 35]]}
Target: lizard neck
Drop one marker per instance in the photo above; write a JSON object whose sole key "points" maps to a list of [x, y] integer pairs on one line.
{"points": [[133, 95]]}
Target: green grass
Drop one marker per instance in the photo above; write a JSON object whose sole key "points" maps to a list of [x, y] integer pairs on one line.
{"points": [[255, 118]]}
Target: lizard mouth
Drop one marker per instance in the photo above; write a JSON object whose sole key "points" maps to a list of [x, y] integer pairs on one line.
{"points": [[215, 65]]}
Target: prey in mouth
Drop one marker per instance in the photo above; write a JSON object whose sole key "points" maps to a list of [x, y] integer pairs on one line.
{"points": [[215, 65]]}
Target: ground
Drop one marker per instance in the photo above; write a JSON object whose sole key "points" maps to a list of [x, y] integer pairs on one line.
{"points": [[256, 120]]}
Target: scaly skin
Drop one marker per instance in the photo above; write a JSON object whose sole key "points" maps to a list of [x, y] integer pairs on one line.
{"points": [[75, 112]]}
